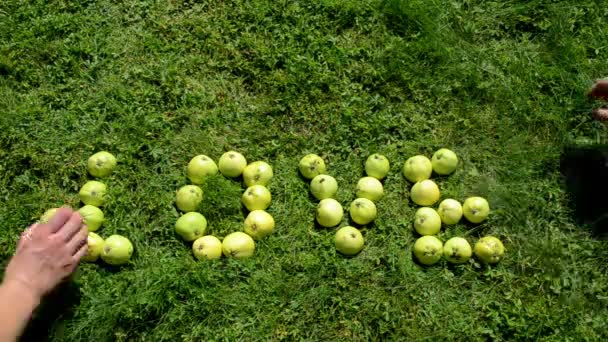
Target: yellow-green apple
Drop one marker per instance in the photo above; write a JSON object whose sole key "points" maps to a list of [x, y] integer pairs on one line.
{"points": [[323, 186], [444, 161], [329, 212], [257, 173], [232, 164], [256, 197], [311, 165], [349, 240], [450, 211], [427, 221], [417, 168], [117, 250], [238, 245], [101, 164], [377, 166], [207, 247], [191, 226], [201, 167], [370, 188], [188, 198], [259, 224], [363, 211], [92, 217], [425, 193], [489, 249], [457, 250], [476, 209], [428, 249], [93, 193], [94, 247]]}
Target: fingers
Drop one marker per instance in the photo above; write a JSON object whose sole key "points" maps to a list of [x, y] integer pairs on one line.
{"points": [[78, 241], [26, 235], [599, 89], [81, 253], [70, 228], [62, 215]]}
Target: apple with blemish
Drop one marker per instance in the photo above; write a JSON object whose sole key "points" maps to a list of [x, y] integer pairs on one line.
{"points": [[377, 166], [311, 165], [259, 224], [232, 164], [257, 173], [191, 226], [189, 198], [117, 250], [101, 164], [238, 245], [93, 193], [256, 197], [363, 211], [207, 247], [348, 240], [201, 167], [323, 186]]}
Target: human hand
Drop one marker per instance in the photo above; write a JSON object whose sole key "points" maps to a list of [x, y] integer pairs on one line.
{"points": [[599, 90], [48, 253]]}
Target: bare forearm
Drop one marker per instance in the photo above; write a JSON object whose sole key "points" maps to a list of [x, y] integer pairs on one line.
{"points": [[17, 303]]}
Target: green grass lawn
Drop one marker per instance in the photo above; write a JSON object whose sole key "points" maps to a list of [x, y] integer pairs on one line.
{"points": [[158, 82]]}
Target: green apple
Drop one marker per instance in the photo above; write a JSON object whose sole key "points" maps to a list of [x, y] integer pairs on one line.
{"points": [[377, 166], [191, 226], [450, 211], [370, 188], [117, 250], [311, 165], [92, 217], [256, 197], [201, 167], [188, 198], [238, 245], [257, 173], [93, 193], [444, 161], [94, 247], [48, 215], [323, 186], [457, 250], [417, 168], [476, 209], [232, 164], [207, 247], [101, 164], [329, 212], [427, 221], [259, 224], [425, 193], [363, 211], [428, 250], [349, 240], [489, 249]]}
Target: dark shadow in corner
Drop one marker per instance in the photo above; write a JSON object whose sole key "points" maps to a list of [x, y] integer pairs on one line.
{"points": [[585, 171], [56, 309]]}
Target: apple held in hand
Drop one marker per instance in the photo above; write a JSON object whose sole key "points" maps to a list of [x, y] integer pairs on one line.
{"points": [[370, 188], [476, 209], [427, 221], [259, 224], [232, 164], [47, 215], [457, 250], [329, 212], [188, 198], [256, 197], [207, 247], [349, 240], [117, 250], [377, 166], [489, 249], [257, 173], [101, 164], [238, 245], [93, 193], [450, 211], [428, 250], [323, 186], [417, 168], [92, 217], [363, 211], [311, 165], [444, 161], [94, 247], [201, 167], [191, 226], [425, 193]]}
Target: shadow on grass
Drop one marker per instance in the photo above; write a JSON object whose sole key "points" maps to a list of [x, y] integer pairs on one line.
{"points": [[57, 308], [585, 172]]}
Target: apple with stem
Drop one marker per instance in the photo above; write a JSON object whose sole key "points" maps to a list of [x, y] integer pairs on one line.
{"points": [[370, 188], [377, 166], [207, 247], [311, 165], [117, 250], [417, 168], [444, 161], [201, 167], [238, 245], [189, 198], [232, 164], [427, 221], [101, 164], [348, 240], [457, 250], [256, 197], [259, 224], [476, 209], [191, 226], [323, 186], [93, 193], [428, 250], [363, 211], [425, 193], [329, 212], [257, 173]]}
